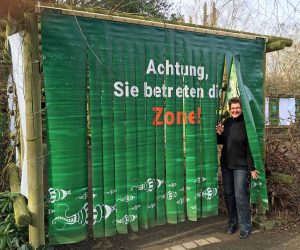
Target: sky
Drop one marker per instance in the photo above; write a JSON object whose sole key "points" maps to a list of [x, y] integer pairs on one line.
{"points": [[271, 17]]}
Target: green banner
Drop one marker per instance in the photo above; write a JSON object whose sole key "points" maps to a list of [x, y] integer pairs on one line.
{"points": [[154, 101], [66, 98], [258, 186]]}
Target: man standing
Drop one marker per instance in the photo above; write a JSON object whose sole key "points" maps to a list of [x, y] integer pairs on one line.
{"points": [[236, 163]]}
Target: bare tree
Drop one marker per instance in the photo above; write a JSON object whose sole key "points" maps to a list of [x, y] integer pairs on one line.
{"points": [[213, 16], [205, 16], [273, 17]]}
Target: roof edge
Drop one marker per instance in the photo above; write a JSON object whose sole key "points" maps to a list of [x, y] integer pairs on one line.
{"points": [[136, 19], [273, 43]]}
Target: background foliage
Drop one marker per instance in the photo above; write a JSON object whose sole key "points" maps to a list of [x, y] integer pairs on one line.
{"points": [[11, 237]]}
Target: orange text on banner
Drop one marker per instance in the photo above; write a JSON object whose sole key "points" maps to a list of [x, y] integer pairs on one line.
{"points": [[169, 118]]}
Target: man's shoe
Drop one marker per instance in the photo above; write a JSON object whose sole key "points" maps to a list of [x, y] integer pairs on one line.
{"points": [[231, 229], [244, 235]]}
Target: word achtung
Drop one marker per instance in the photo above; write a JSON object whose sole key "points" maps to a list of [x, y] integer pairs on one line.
{"points": [[176, 69]]}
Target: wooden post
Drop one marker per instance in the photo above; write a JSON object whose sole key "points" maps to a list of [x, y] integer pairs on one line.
{"points": [[14, 18], [22, 216], [33, 131]]}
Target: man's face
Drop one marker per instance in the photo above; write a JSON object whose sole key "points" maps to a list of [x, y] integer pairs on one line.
{"points": [[235, 110]]}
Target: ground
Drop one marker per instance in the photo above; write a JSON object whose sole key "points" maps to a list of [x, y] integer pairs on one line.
{"points": [[205, 234]]}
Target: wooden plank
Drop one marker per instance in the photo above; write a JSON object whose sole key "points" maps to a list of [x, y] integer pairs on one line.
{"points": [[195, 28], [33, 132]]}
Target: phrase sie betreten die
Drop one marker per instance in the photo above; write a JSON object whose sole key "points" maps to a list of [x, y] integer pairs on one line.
{"points": [[125, 89]]}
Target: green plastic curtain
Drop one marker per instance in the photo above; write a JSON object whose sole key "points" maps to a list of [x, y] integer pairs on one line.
{"points": [[153, 97]]}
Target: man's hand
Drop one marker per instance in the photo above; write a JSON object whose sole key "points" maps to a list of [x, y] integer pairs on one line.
{"points": [[254, 174], [219, 129]]}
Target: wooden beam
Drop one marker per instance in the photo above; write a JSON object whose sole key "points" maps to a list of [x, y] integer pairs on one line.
{"points": [[3, 24], [276, 45], [127, 18], [2, 36], [14, 18], [4, 5], [288, 42], [33, 131], [283, 178], [140, 20], [21, 212]]}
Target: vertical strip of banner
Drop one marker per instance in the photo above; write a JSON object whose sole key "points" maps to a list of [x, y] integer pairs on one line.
{"points": [[108, 138], [258, 186], [150, 149], [66, 98], [190, 162], [222, 84], [254, 77], [197, 57], [170, 129], [226, 78], [214, 121], [205, 178], [160, 143], [131, 136], [140, 71], [119, 139], [208, 188], [180, 120], [95, 82]]}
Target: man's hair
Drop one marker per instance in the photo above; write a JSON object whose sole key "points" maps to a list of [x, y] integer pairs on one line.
{"points": [[234, 100]]}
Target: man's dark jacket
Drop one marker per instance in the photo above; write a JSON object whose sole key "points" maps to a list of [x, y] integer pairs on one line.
{"points": [[236, 152]]}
